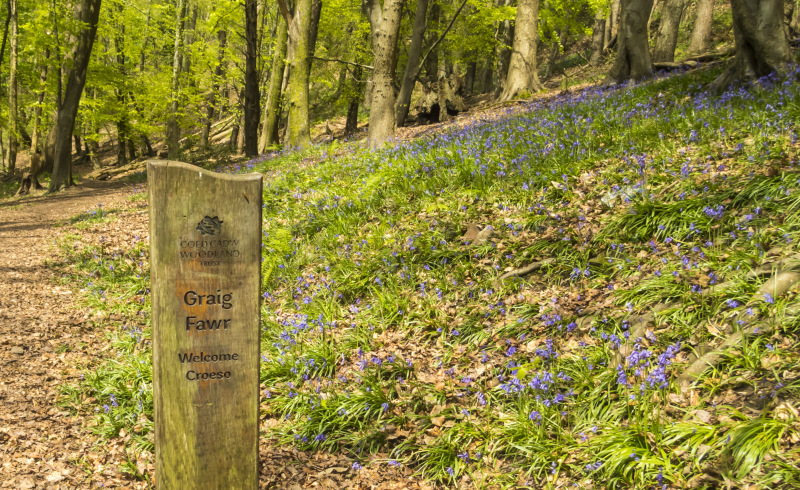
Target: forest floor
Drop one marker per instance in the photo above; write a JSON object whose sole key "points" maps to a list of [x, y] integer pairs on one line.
{"points": [[493, 287], [46, 339]]}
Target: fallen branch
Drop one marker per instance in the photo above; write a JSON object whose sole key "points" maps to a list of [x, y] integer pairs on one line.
{"points": [[524, 271], [777, 285]]}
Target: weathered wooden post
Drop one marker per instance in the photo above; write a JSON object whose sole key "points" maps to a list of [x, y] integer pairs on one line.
{"points": [[205, 246]]}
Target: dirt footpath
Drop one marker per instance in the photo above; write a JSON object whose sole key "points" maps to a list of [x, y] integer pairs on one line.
{"points": [[43, 343]]}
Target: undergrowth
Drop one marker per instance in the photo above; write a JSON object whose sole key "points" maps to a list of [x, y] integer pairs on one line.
{"points": [[388, 337]]}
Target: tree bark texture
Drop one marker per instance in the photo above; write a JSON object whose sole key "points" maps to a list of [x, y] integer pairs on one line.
{"points": [[522, 76], [298, 132], [412, 66], [173, 130], [598, 37], [89, 14], [667, 35], [505, 39], [13, 117], [760, 39], [272, 112], [383, 23], [633, 53], [701, 33], [252, 107]]}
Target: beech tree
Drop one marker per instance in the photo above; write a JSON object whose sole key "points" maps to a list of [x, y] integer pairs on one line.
{"points": [[384, 22], [701, 33], [667, 35], [760, 41], [633, 53], [88, 13], [413, 63], [272, 110], [522, 76]]}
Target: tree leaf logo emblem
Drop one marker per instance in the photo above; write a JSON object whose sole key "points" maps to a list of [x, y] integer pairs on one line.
{"points": [[209, 226]]}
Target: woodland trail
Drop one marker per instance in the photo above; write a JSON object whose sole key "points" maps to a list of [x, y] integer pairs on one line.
{"points": [[44, 336]]}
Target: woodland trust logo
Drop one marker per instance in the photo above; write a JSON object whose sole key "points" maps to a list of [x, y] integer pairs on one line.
{"points": [[209, 226]]}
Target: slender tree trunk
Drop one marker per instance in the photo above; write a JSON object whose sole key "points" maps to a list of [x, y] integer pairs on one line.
{"points": [[222, 39], [122, 117], [340, 82], [383, 22], [272, 113], [667, 35], [173, 130], [11, 161], [146, 37], [469, 78], [760, 41], [598, 37], [298, 131], [89, 14], [612, 27], [252, 107], [354, 95], [37, 109], [505, 39], [412, 66], [313, 30], [633, 52], [701, 34], [522, 76], [486, 76], [794, 24]]}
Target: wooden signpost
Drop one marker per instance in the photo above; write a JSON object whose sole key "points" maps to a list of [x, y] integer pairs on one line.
{"points": [[205, 246]]}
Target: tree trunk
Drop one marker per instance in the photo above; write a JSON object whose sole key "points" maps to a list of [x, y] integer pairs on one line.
{"points": [[633, 52], [412, 66], [272, 113], [252, 107], [612, 26], [505, 39], [486, 77], [122, 117], [794, 24], [173, 130], [701, 34], [667, 36], [760, 40], [298, 133], [383, 23], [37, 109], [11, 161], [89, 14], [469, 78], [313, 30], [598, 37], [213, 95], [522, 76]]}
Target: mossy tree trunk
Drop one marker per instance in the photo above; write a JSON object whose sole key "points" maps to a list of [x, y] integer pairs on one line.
{"points": [[298, 134], [272, 112], [412, 66]]}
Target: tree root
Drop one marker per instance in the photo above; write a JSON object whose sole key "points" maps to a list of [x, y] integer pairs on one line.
{"points": [[776, 286]]}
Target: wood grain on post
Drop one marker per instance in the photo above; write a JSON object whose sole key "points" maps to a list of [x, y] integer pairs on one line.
{"points": [[205, 246]]}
